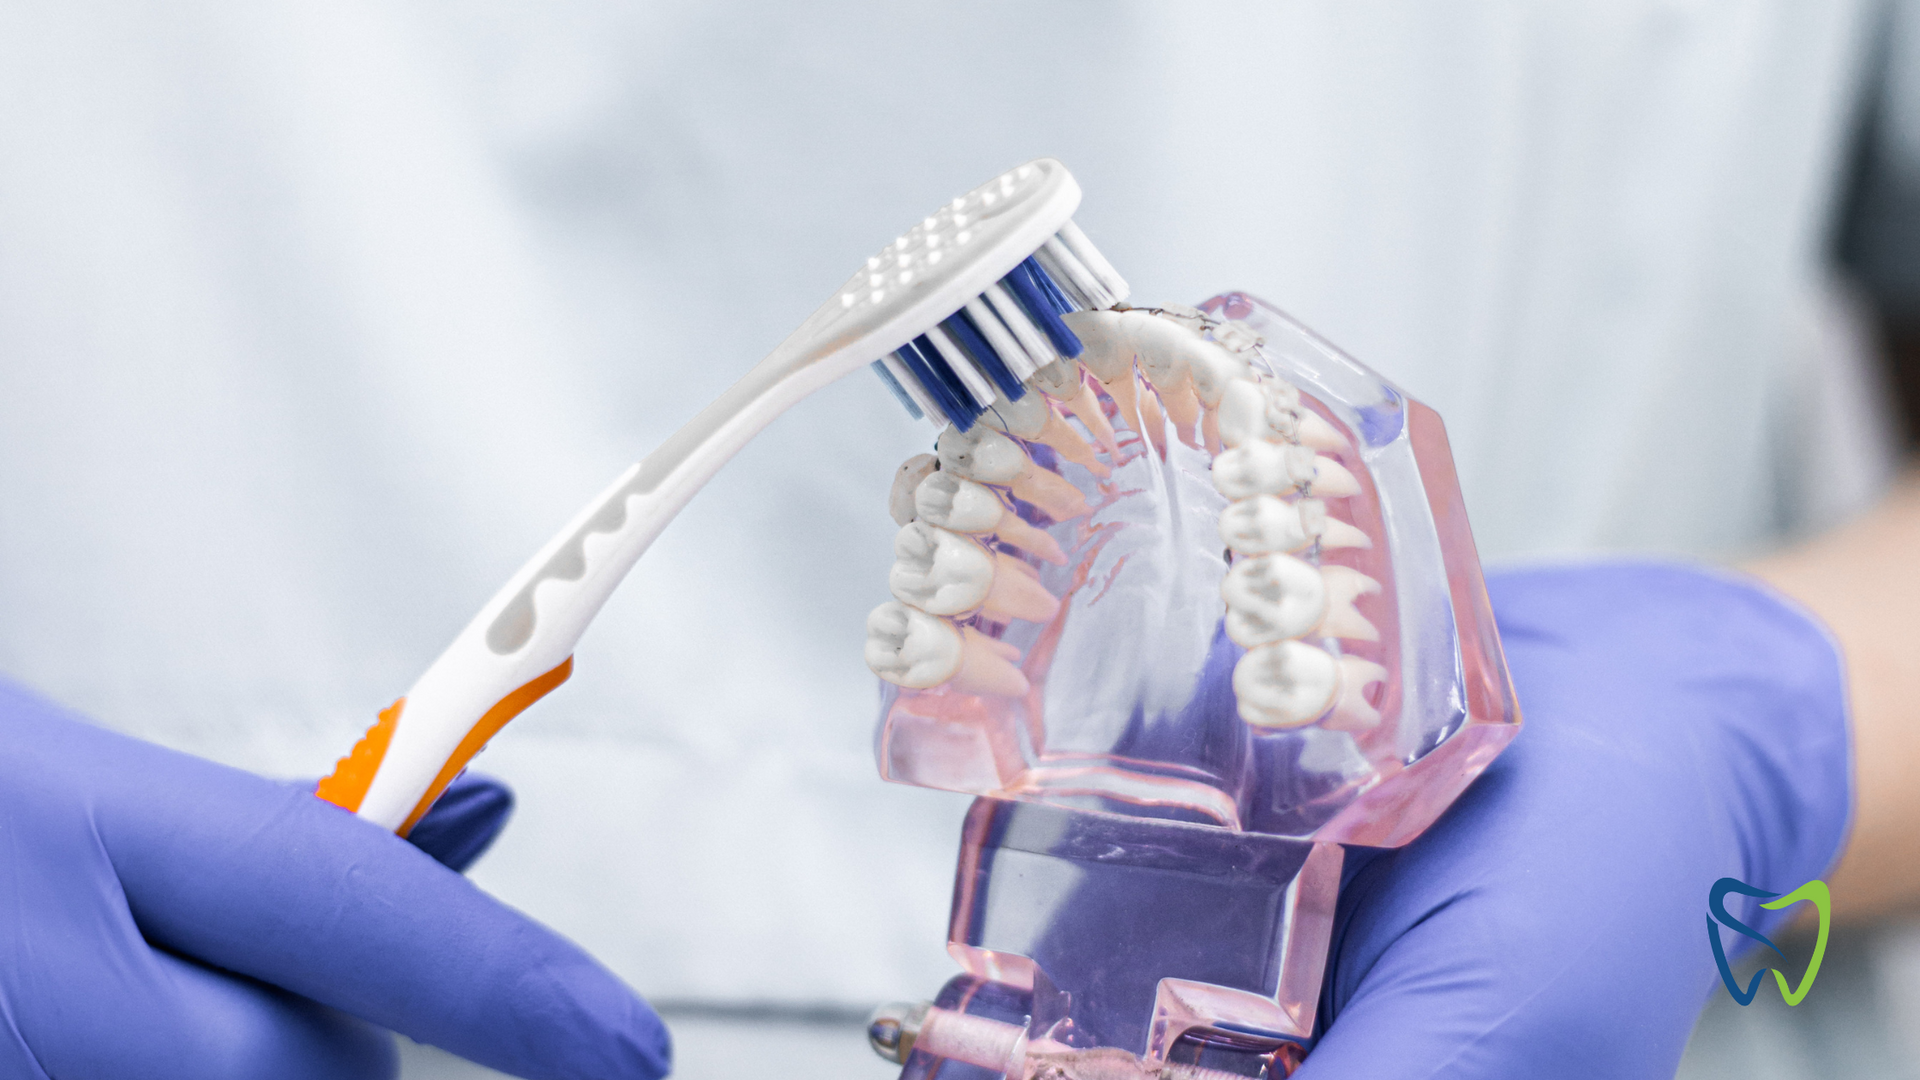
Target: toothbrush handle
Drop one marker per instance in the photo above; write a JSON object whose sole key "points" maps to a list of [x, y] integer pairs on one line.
{"points": [[520, 645]]}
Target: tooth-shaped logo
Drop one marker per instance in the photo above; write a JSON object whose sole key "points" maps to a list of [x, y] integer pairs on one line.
{"points": [[1815, 891]]}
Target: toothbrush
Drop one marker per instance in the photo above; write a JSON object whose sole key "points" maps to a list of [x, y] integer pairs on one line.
{"points": [[957, 313]]}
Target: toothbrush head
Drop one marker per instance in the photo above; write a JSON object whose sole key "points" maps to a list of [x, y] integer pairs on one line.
{"points": [[966, 306]]}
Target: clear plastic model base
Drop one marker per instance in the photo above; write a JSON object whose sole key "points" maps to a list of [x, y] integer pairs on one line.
{"points": [[1194, 610]]}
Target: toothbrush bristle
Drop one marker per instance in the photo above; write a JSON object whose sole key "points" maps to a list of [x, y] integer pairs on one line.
{"points": [[959, 367], [961, 329], [899, 392]]}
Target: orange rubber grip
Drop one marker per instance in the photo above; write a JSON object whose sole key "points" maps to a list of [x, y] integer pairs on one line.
{"points": [[354, 774]]}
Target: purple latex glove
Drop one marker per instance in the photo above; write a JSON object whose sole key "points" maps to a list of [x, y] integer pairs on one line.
{"points": [[1681, 726], [164, 916]]}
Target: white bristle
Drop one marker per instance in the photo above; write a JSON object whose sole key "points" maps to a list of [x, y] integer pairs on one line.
{"points": [[1089, 256], [1039, 350], [1000, 340], [1093, 294], [1062, 280], [914, 390], [977, 384]]}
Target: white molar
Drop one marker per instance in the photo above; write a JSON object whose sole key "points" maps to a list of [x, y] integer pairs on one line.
{"points": [[1285, 685], [982, 454], [1263, 468], [1271, 598], [956, 503], [1351, 710], [1032, 418], [985, 455], [1343, 620], [1017, 593], [1212, 369], [1270, 409], [939, 572], [1256, 409], [1265, 524], [911, 648], [907, 481]]}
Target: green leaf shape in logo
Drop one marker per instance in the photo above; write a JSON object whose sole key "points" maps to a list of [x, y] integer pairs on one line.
{"points": [[1815, 891]]}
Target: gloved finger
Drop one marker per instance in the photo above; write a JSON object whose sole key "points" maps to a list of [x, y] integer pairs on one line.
{"points": [[262, 879], [465, 822], [213, 1026]]}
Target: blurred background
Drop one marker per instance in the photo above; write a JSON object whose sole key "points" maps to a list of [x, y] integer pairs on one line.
{"points": [[316, 320]]}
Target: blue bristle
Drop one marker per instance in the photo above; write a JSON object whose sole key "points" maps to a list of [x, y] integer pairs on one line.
{"points": [[1025, 285], [1053, 290], [961, 328], [899, 391], [964, 410], [934, 386]]}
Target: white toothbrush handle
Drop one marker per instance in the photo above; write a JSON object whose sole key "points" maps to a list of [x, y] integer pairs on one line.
{"points": [[521, 643]]}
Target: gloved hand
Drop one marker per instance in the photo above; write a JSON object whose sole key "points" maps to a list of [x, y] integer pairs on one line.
{"points": [[164, 916], [1681, 726]]}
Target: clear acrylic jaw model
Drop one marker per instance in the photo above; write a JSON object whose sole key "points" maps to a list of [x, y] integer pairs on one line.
{"points": [[1260, 632]]}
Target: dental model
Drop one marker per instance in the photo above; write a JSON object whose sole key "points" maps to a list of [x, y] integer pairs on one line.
{"points": [[1191, 607], [1276, 484]]}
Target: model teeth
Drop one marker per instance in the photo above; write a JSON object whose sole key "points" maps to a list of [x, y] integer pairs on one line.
{"points": [[1330, 531], [1252, 410], [989, 666], [939, 572], [911, 648], [1212, 369], [956, 503], [982, 454], [1064, 381], [1164, 350], [1107, 340], [1351, 709], [1264, 524], [1271, 598], [1343, 620], [1033, 419], [905, 482], [1263, 468], [954, 553], [1285, 684], [1017, 593], [1237, 337], [1331, 480], [985, 455]]}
